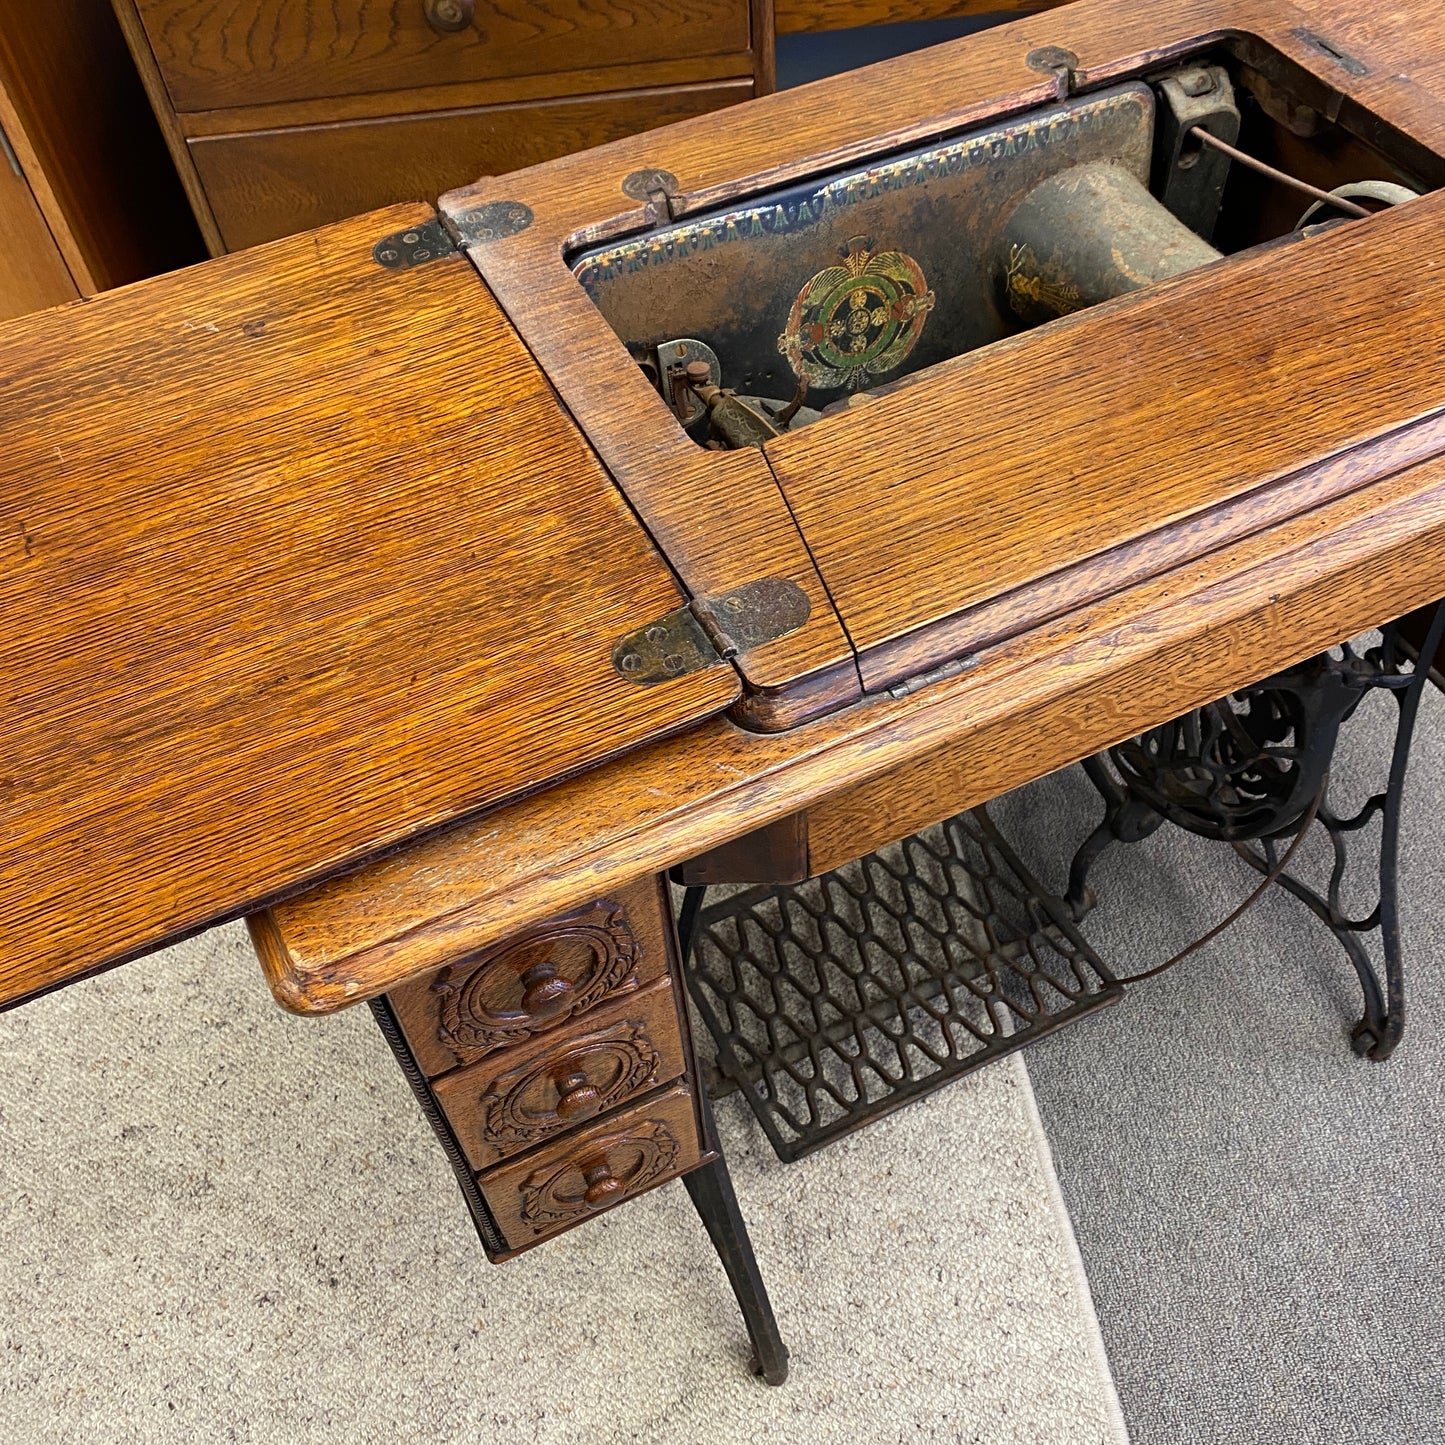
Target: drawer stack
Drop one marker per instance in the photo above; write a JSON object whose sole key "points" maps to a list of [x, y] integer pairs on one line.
{"points": [[284, 115], [561, 1064]]}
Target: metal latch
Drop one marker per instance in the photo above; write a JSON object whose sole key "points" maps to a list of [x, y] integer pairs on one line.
{"points": [[8, 152], [710, 630]]}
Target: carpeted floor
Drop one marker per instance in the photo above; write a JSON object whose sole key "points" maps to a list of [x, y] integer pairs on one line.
{"points": [[222, 1223], [1261, 1214]]}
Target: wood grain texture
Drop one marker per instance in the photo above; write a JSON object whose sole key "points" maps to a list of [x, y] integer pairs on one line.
{"points": [[1214, 528], [601, 1062], [574, 1179], [575, 201], [76, 112], [33, 273], [936, 501], [472, 95], [216, 53], [606, 949], [1031, 704], [777, 853], [265, 184], [763, 37], [300, 561], [803, 15]]}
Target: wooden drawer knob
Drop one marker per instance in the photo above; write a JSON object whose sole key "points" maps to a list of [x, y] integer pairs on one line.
{"points": [[545, 991], [449, 15], [602, 1188], [576, 1098]]}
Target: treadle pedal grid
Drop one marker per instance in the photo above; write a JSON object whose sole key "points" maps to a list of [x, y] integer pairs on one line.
{"points": [[835, 1001]]}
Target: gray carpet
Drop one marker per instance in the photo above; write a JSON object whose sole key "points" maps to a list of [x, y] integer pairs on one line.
{"points": [[223, 1223], [1262, 1215]]}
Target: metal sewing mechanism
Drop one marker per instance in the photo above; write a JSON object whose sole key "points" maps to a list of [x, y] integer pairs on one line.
{"points": [[850, 284]]}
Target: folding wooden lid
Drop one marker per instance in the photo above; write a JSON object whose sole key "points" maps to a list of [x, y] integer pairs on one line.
{"points": [[1014, 484], [302, 557]]}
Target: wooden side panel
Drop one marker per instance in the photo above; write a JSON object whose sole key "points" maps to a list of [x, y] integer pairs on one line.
{"points": [[32, 271], [90, 145], [216, 53], [264, 184], [301, 557]]}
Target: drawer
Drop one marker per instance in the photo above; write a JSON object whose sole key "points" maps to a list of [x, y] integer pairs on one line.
{"points": [[219, 53], [536, 980], [565, 1182], [523, 1096], [265, 184]]}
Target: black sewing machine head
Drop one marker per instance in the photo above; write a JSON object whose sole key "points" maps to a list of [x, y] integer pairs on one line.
{"points": [[846, 282]]}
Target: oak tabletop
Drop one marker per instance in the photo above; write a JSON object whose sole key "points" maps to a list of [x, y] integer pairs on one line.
{"points": [[301, 559]]}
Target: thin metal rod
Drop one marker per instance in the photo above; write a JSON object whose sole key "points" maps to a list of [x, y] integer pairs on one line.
{"points": [[1283, 177], [1273, 876]]}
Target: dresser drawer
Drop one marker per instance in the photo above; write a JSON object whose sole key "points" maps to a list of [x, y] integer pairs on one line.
{"points": [[537, 980], [265, 184], [565, 1182], [214, 54], [524, 1096]]}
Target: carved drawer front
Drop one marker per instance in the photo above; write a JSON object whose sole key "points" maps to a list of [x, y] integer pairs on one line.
{"points": [[535, 980], [526, 1095], [575, 1177]]}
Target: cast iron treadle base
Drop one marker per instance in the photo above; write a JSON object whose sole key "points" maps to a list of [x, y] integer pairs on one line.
{"points": [[837, 1000]]}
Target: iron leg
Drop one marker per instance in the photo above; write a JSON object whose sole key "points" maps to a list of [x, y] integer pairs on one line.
{"points": [[1371, 1039], [711, 1191], [1127, 819]]}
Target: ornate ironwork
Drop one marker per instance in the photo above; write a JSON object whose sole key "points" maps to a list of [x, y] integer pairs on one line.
{"points": [[1245, 770], [837, 1000]]}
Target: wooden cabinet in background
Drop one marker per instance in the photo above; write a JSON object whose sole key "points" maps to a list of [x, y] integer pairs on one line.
{"points": [[33, 274], [286, 116], [89, 198]]}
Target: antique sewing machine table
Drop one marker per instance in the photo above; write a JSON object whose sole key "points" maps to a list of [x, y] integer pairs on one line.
{"points": [[730, 503]]}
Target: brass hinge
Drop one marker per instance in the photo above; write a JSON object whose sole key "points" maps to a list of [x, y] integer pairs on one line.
{"points": [[710, 630], [415, 246], [443, 236]]}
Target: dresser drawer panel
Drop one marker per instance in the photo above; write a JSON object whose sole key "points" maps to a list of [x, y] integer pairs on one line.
{"points": [[524, 1096], [215, 54], [270, 183], [536, 981], [570, 1180]]}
